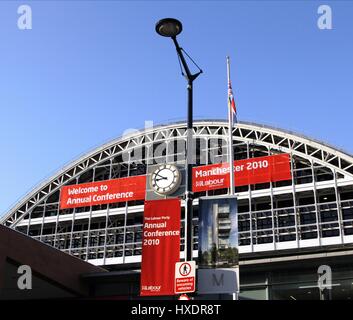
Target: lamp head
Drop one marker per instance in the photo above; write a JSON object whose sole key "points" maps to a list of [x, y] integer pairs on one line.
{"points": [[169, 27]]}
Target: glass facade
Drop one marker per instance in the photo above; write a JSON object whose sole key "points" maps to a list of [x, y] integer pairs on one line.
{"points": [[298, 280]]}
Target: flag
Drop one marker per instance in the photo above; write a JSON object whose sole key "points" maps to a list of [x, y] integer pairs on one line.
{"points": [[231, 103]]}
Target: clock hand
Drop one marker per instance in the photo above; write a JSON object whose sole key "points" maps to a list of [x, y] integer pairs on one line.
{"points": [[162, 178]]}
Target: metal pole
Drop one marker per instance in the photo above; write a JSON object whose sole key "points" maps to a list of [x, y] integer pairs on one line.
{"points": [[189, 159], [231, 160], [230, 136], [188, 191]]}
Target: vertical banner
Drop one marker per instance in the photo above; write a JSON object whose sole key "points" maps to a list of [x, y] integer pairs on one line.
{"points": [[160, 246], [218, 245]]}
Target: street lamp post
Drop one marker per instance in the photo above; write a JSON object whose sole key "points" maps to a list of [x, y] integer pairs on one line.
{"points": [[171, 28]]}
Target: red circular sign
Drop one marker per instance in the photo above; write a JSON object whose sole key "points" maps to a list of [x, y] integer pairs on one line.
{"points": [[185, 269]]}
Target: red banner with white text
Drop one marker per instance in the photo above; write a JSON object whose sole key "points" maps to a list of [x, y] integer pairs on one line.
{"points": [[102, 192], [160, 246], [211, 177], [248, 171]]}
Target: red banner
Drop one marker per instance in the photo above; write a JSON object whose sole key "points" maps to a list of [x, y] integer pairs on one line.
{"points": [[160, 246], [247, 171], [101, 192], [211, 177]]}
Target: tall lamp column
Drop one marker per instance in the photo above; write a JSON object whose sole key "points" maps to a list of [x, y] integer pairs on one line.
{"points": [[171, 28]]}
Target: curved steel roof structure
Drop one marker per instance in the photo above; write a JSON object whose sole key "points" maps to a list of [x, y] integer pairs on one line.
{"points": [[273, 138]]}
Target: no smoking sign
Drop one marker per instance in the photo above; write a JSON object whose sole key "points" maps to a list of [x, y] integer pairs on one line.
{"points": [[184, 277]]}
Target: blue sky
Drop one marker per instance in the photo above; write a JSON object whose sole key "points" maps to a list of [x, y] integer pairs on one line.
{"points": [[88, 70]]}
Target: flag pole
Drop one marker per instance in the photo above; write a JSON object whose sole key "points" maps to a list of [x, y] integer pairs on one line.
{"points": [[230, 134], [231, 116]]}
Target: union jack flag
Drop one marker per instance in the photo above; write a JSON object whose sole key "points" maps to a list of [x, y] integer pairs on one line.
{"points": [[231, 102]]}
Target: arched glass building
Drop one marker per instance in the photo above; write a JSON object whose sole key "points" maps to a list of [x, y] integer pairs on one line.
{"points": [[287, 229]]}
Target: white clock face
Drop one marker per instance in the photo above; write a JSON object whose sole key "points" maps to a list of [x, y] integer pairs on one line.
{"points": [[165, 179]]}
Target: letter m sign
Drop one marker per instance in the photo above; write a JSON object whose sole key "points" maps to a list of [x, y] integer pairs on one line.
{"points": [[211, 281], [218, 279]]}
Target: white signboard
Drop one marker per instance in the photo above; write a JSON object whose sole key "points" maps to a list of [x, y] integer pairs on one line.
{"points": [[184, 277]]}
